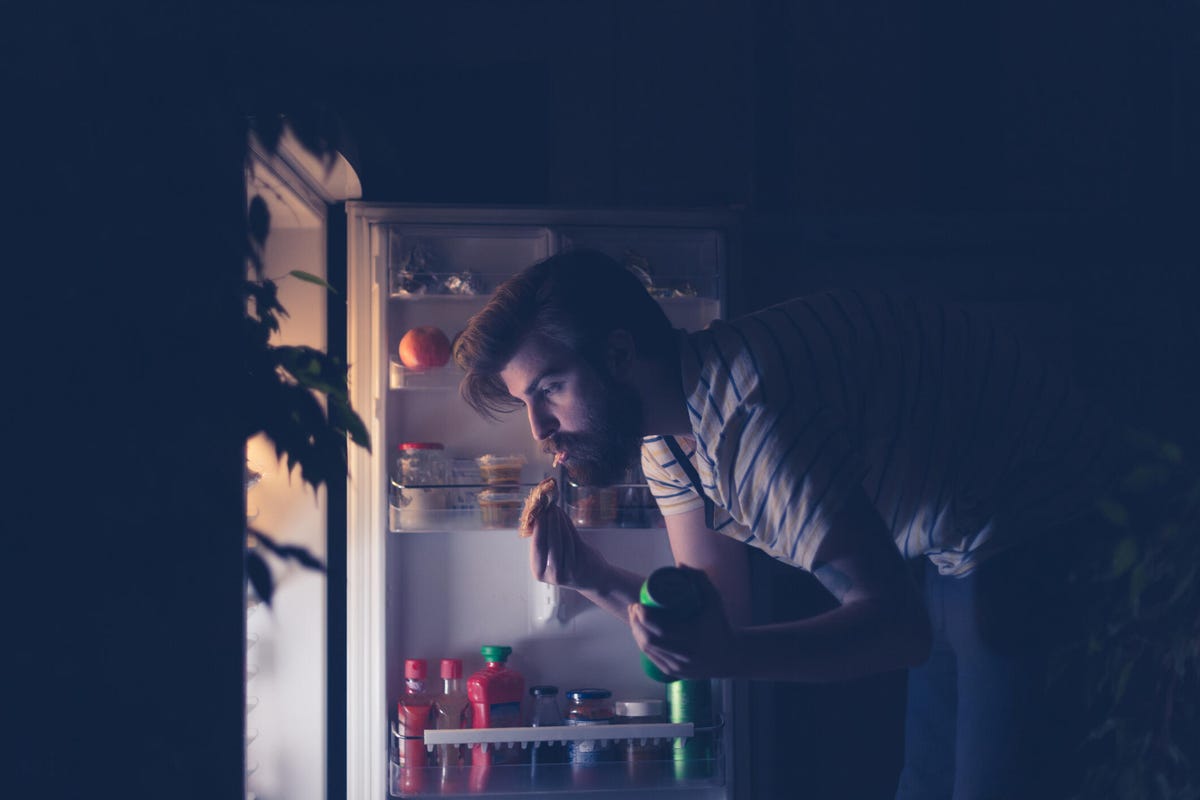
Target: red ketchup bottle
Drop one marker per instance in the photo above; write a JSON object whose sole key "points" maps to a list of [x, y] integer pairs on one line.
{"points": [[495, 693]]}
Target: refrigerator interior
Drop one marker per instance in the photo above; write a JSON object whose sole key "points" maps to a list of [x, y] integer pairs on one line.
{"points": [[450, 582]]}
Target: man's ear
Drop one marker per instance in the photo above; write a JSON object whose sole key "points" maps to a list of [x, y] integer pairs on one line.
{"points": [[620, 354]]}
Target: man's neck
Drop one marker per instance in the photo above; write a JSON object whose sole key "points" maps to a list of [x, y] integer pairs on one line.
{"points": [[664, 406]]}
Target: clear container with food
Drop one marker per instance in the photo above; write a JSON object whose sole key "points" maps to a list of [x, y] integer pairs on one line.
{"points": [[500, 508], [630, 712], [500, 470], [591, 506]]}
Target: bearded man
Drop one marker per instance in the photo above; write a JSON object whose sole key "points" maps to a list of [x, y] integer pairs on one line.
{"points": [[862, 436]]}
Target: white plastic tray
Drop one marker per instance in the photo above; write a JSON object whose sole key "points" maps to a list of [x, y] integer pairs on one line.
{"points": [[643, 732]]}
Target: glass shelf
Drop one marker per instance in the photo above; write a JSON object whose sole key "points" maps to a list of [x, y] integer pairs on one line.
{"points": [[456, 507], [445, 378]]}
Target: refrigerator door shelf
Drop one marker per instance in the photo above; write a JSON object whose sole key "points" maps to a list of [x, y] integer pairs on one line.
{"points": [[642, 732]]}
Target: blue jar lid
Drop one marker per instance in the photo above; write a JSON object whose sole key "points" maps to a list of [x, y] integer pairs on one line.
{"points": [[589, 694]]}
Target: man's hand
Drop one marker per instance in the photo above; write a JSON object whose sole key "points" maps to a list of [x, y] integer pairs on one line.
{"points": [[558, 556], [701, 647]]}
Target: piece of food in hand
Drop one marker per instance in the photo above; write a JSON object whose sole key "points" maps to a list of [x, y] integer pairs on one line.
{"points": [[540, 499]]}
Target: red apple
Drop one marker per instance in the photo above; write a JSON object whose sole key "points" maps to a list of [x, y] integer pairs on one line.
{"points": [[424, 347]]}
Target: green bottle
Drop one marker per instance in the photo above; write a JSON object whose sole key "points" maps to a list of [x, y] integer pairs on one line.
{"points": [[675, 590]]}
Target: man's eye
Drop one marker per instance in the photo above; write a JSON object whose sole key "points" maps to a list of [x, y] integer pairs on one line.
{"points": [[551, 388]]}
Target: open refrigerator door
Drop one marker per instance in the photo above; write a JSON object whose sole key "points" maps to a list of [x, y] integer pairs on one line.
{"points": [[435, 567]]}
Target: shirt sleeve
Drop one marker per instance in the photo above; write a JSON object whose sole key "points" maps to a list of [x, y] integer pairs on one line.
{"points": [[668, 483]]}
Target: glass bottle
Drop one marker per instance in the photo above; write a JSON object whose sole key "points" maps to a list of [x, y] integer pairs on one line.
{"points": [[451, 711], [545, 713]]}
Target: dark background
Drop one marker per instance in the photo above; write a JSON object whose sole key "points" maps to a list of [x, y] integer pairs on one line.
{"points": [[1038, 155]]}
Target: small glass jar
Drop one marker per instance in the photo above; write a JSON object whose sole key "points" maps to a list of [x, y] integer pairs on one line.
{"points": [[589, 707]]}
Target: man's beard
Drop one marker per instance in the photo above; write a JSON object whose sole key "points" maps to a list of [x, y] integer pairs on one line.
{"points": [[612, 441]]}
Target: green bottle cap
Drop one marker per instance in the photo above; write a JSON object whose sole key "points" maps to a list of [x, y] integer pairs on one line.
{"points": [[495, 653]]}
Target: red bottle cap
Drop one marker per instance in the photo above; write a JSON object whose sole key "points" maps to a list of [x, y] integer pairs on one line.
{"points": [[451, 668], [421, 446], [414, 669]]}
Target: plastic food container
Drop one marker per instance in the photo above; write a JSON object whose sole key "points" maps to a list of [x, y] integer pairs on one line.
{"points": [[498, 470], [591, 507], [641, 711], [500, 508]]}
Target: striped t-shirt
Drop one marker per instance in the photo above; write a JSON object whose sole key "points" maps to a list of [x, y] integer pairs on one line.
{"points": [[964, 441]]}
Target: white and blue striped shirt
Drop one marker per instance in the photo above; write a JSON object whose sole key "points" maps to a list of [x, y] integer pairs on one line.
{"points": [[964, 441]]}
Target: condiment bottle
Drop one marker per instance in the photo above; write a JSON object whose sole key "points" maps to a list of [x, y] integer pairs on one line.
{"points": [[495, 693], [451, 711], [413, 712]]}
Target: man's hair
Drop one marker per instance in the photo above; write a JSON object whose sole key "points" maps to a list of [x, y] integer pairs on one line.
{"points": [[576, 298]]}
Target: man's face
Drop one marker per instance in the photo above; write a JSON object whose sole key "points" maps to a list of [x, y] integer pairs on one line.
{"points": [[589, 419]]}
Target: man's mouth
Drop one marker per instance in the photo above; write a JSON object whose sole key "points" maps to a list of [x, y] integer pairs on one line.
{"points": [[560, 458]]}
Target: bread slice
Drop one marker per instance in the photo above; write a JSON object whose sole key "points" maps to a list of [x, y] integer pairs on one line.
{"points": [[540, 499]]}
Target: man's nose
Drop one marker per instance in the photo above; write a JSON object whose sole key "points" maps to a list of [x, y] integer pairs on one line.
{"points": [[541, 424]]}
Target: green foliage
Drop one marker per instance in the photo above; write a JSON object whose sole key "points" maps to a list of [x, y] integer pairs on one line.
{"points": [[1141, 660], [283, 383], [297, 396]]}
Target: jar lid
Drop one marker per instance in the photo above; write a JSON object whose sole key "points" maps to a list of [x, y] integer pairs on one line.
{"points": [[421, 446], [640, 708], [543, 691], [589, 694]]}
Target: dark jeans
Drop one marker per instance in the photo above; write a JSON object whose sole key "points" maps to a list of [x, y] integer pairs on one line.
{"points": [[979, 721]]}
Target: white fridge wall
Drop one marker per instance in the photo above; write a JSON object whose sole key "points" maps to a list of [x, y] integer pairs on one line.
{"points": [[449, 593]]}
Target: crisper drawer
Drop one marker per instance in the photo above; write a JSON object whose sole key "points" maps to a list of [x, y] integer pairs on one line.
{"points": [[640, 760]]}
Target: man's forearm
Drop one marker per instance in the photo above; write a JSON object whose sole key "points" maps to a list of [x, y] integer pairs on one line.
{"points": [[614, 590], [847, 642]]}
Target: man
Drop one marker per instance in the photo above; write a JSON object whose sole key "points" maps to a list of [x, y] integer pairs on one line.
{"points": [[848, 434]]}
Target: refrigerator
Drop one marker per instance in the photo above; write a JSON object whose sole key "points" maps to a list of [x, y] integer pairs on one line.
{"points": [[435, 571]]}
